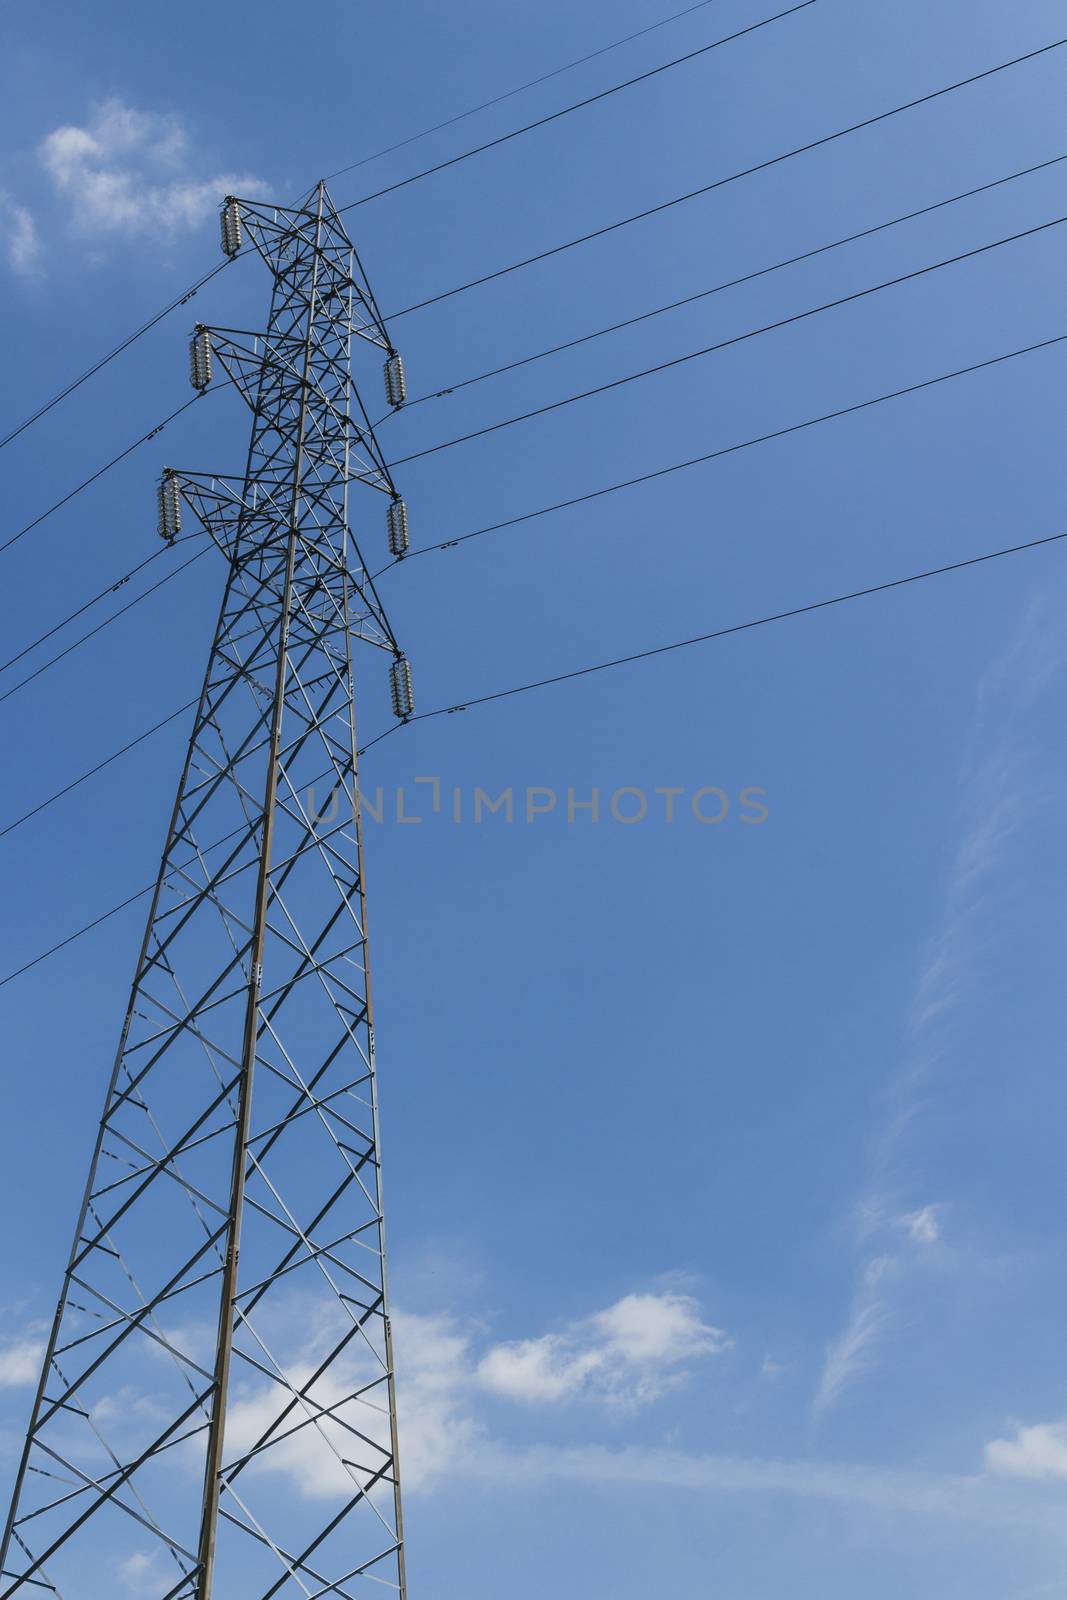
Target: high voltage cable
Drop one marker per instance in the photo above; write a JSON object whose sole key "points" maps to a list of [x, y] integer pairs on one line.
{"points": [[100, 765], [193, 288], [100, 626], [730, 449], [578, 105], [724, 344], [132, 338], [87, 605], [524, 361], [738, 627], [567, 345], [606, 666], [99, 473], [593, 494], [557, 249], [721, 183], [616, 383], [731, 283], [509, 94]]}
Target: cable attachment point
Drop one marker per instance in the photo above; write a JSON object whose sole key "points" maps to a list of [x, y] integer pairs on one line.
{"points": [[200, 358], [397, 518], [396, 389], [401, 686], [169, 501], [230, 227]]}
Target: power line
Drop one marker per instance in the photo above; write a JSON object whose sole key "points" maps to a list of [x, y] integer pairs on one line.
{"points": [[107, 622], [193, 288], [509, 94], [87, 605], [731, 283], [731, 449], [88, 928], [545, 254], [725, 344], [594, 494], [721, 183], [606, 666], [99, 473], [578, 105], [739, 627], [100, 765], [132, 338]]}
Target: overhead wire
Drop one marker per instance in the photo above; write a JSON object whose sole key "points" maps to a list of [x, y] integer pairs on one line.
{"points": [[737, 627], [100, 626], [510, 522], [541, 256], [727, 450], [725, 344], [719, 346], [731, 283], [100, 471], [199, 283], [87, 605], [578, 105], [510, 366], [721, 183], [593, 494], [568, 345], [590, 669], [509, 94], [125, 344], [42, 805]]}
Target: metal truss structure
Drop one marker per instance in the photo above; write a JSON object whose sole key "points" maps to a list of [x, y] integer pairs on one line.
{"points": [[216, 1416]]}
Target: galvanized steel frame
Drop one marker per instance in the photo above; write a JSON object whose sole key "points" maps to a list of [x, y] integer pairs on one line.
{"points": [[244, 1088]]}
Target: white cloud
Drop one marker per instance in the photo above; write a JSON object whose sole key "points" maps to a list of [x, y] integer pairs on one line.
{"points": [[131, 170], [433, 1380], [542, 1369], [922, 1226], [628, 1354], [138, 1572], [20, 1362], [625, 1355], [1036, 1452], [18, 234]]}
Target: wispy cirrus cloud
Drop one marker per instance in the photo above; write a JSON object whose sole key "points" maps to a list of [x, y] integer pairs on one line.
{"points": [[998, 797], [893, 1492], [851, 1355]]}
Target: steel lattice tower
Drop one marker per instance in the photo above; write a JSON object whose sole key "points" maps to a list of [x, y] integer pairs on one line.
{"points": [[216, 1417]]}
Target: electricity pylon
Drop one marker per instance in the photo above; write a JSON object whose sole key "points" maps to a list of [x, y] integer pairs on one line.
{"points": [[216, 1416]]}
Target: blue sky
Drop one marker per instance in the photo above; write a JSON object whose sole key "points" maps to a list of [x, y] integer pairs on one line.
{"points": [[724, 1159]]}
